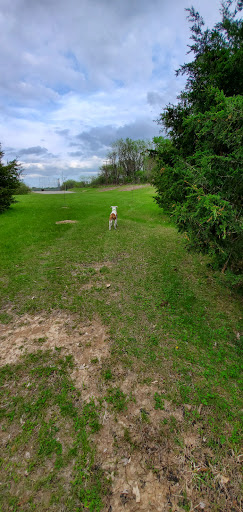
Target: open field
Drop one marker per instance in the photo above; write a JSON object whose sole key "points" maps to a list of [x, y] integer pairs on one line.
{"points": [[120, 362]]}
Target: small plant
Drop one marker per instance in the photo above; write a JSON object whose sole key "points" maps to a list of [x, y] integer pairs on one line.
{"points": [[173, 424], [185, 503], [144, 416], [104, 270], [153, 341], [159, 402], [107, 374], [94, 361], [117, 398], [41, 340], [90, 412], [128, 439], [48, 443], [5, 318]]}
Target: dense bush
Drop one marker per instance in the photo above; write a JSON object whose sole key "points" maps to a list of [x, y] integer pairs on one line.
{"points": [[198, 173], [22, 189], [69, 184], [9, 182]]}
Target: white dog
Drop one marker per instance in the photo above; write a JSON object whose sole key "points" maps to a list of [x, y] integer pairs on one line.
{"points": [[113, 217]]}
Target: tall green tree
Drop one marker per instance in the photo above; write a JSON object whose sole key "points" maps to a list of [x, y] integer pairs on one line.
{"points": [[130, 155], [217, 66], [199, 168], [9, 181]]}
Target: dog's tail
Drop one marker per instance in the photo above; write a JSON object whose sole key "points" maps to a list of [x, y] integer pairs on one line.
{"points": [[112, 216]]}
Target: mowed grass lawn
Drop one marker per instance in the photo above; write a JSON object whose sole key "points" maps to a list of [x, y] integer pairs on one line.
{"points": [[170, 320]]}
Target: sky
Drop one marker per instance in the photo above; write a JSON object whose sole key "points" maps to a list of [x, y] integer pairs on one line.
{"points": [[76, 75]]}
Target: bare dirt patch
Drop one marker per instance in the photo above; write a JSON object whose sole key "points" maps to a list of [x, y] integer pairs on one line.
{"points": [[67, 222], [157, 465], [124, 188], [142, 467], [81, 267], [86, 342], [51, 192], [94, 275]]}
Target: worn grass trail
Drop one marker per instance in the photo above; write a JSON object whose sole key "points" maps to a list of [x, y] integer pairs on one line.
{"points": [[172, 326]]}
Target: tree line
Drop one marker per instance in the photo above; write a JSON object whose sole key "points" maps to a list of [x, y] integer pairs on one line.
{"points": [[128, 161]]}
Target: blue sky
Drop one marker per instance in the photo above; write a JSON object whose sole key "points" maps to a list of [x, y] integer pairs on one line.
{"points": [[78, 75]]}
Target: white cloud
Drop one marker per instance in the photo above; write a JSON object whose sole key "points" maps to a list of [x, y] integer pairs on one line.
{"points": [[78, 67]]}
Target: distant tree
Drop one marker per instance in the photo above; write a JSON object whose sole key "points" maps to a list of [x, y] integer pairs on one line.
{"points": [[125, 162], [9, 181], [66, 185], [107, 174], [130, 154], [22, 189], [114, 167]]}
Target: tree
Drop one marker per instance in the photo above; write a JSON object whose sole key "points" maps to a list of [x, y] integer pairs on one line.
{"points": [[199, 167], [113, 168], [66, 185], [22, 189], [9, 181], [124, 162], [131, 154]]}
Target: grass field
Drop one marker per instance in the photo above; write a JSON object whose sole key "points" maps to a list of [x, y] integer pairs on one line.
{"points": [[120, 361]]}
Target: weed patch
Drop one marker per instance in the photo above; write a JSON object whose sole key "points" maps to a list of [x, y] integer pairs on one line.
{"points": [[117, 399], [159, 402]]}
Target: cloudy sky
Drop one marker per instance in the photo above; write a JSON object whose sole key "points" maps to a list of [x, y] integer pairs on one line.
{"points": [[78, 74]]}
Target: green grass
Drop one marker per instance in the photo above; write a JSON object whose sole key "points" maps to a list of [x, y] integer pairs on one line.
{"points": [[46, 426], [117, 398], [167, 312]]}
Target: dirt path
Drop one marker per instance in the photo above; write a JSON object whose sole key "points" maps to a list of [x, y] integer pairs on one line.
{"points": [[136, 445], [124, 188], [120, 188], [53, 192]]}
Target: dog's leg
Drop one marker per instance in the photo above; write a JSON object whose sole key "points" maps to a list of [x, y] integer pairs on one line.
{"points": [[115, 223], [110, 224]]}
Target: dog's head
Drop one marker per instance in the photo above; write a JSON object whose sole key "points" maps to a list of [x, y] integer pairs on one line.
{"points": [[113, 208]]}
